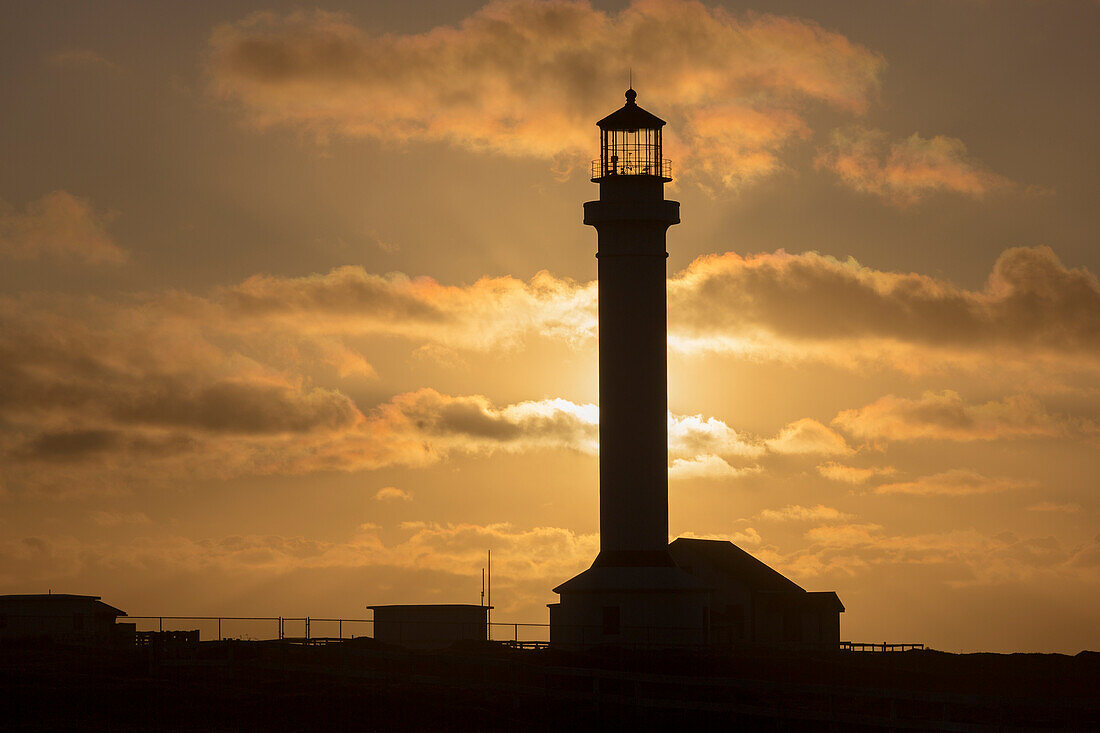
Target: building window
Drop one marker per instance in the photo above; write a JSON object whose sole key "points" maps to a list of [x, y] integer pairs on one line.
{"points": [[610, 620]]}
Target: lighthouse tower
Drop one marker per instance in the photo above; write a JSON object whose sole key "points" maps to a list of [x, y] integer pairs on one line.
{"points": [[633, 593]]}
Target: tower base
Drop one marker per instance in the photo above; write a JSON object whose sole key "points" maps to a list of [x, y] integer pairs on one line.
{"points": [[641, 607]]}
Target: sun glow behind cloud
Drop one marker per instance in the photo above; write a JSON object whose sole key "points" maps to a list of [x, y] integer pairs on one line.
{"points": [[221, 383]]}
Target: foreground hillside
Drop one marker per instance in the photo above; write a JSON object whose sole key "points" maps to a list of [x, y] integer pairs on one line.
{"points": [[360, 685]]}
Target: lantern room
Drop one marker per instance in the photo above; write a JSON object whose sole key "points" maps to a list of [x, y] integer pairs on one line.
{"points": [[631, 144]]}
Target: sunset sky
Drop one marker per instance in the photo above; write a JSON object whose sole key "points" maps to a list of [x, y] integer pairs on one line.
{"points": [[297, 311]]}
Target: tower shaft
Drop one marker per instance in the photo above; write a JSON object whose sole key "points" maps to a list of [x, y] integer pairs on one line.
{"points": [[631, 219]]}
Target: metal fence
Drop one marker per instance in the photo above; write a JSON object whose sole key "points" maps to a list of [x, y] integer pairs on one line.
{"points": [[260, 628], [257, 628], [860, 646], [309, 628]]}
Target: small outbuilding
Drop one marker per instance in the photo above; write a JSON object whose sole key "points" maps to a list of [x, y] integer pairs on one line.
{"points": [[753, 604], [430, 626], [63, 618]]}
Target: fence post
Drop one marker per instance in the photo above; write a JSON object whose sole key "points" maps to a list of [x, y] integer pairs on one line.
{"points": [[515, 633], [219, 629], [340, 627], [161, 619]]}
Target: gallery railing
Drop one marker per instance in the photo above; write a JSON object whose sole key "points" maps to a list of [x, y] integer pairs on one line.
{"points": [[631, 167]]}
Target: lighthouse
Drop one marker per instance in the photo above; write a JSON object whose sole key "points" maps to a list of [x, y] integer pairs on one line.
{"points": [[634, 593]]}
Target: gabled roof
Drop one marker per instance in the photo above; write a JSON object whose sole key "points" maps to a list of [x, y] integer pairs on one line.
{"points": [[730, 560], [630, 117], [604, 578], [826, 599]]}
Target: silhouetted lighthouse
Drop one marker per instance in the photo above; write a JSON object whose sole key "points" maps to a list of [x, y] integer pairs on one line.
{"points": [[631, 218], [633, 593]]}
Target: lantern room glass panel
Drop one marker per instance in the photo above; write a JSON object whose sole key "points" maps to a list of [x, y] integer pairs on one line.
{"points": [[631, 153]]}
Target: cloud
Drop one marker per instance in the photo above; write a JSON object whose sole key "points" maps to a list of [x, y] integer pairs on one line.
{"points": [[797, 513], [955, 482], [694, 435], [844, 534], [967, 558], [493, 312], [392, 493], [746, 537], [116, 519], [60, 226], [851, 474], [1032, 309], [947, 416], [706, 466], [442, 423], [526, 78], [1048, 506], [808, 436], [101, 395], [905, 171], [69, 361]]}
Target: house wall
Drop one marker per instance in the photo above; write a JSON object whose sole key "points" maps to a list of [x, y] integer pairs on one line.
{"points": [[731, 605], [647, 619]]}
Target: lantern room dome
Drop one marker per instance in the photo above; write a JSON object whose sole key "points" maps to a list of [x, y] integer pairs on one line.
{"points": [[631, 117]]}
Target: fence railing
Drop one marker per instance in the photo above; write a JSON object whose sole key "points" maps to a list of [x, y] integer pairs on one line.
{"points": [[860, 646], [514, 634], [258, 628]]}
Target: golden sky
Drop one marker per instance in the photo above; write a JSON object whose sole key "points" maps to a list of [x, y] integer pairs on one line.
{"points": [[297, 312]]}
